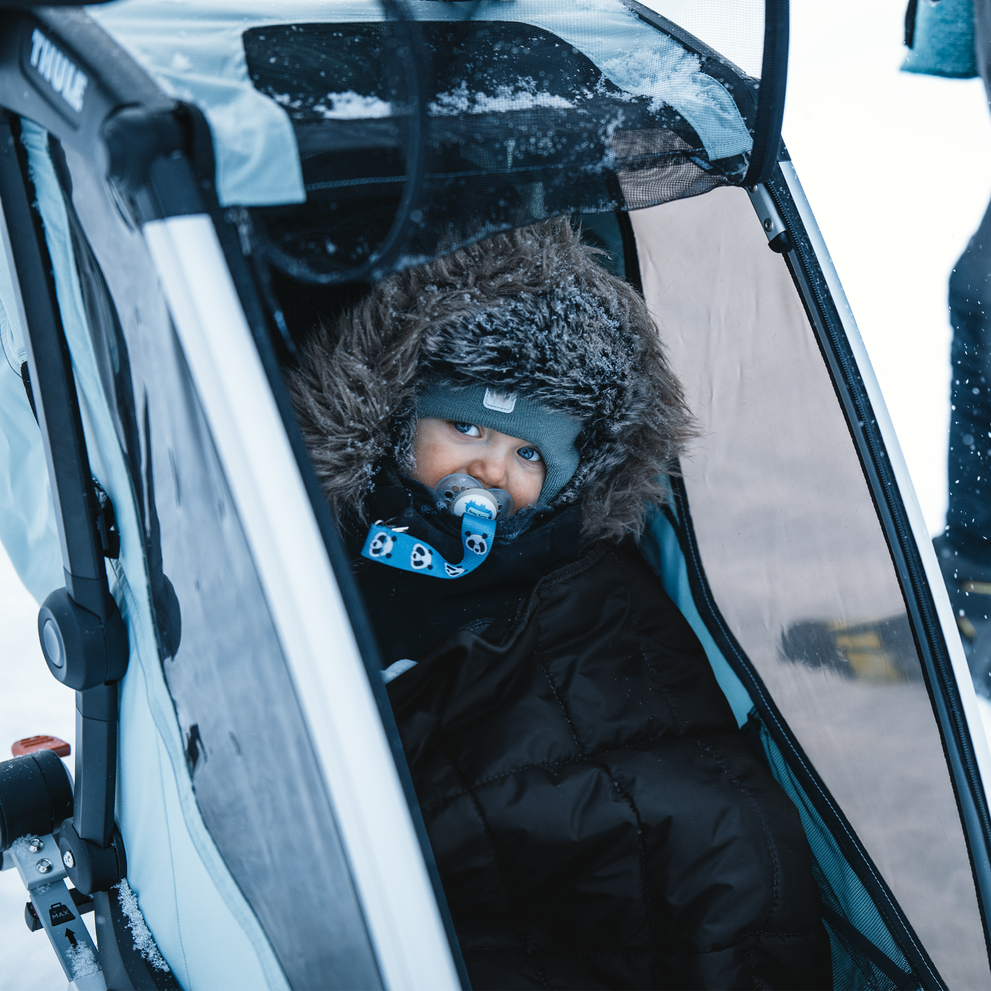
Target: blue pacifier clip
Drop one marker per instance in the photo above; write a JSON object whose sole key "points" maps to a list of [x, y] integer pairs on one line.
{"points": [[400, 550], [478, 508]]}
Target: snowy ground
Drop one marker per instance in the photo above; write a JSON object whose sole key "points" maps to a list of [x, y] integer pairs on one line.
{"points": [[896, 169]]}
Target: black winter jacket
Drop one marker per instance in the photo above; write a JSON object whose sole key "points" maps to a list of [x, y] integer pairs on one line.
{"points": [[597, 818]]}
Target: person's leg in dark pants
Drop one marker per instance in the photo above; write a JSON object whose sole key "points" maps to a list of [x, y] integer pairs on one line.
{"points": [[968, 518], [964, 549]]}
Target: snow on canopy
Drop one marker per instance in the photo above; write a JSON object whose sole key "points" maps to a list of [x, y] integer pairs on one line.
{"points": [[194, 50], [532, 109]]}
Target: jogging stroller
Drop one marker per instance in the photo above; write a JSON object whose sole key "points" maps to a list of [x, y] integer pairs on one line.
{"points": [[185, 187]]}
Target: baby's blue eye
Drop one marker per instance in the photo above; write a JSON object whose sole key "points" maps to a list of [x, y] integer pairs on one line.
{"points": [[529, 454], [469, 429]]}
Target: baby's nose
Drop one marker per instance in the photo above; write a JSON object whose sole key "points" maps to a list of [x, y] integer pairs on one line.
{"points": [[488, 469]]}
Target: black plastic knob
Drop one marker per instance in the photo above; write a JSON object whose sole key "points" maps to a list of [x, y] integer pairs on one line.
{"points": [[81, 650], [92, 868], [35, 796]]}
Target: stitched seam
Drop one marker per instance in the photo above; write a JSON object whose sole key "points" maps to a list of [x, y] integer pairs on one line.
{"points": [[583, 759], [662, 688], [497, 857], [573, 570], [538, 653], [526, 604], [642, 844], [763, 825]]}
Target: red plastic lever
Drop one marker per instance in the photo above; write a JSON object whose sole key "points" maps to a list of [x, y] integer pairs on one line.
{"points": [[30, 744]]}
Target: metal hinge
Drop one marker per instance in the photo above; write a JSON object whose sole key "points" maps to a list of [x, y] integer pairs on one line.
{"points": [[778, 238]]}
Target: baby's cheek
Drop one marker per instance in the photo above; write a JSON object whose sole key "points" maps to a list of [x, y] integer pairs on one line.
{"points": [[431, 457], [528, 488]]}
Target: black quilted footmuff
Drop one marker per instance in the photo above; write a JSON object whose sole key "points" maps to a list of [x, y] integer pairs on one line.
{"points": [[597, 817]]}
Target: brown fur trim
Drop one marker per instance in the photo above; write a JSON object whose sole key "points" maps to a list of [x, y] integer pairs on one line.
{"points": [[528, 310]]}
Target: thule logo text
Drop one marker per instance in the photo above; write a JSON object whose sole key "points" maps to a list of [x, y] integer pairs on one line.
{"points": [[58, 70]]}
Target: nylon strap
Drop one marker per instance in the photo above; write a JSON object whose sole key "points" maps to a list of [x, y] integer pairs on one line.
{"points": [[407, 553]]}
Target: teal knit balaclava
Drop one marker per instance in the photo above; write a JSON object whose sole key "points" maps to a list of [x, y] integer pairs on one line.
{"points": [[552, 432]]}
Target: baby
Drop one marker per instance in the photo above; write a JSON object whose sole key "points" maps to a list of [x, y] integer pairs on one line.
{"points": [[491, 429]]}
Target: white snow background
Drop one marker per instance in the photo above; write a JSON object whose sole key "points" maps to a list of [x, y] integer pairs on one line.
{"points": [[898, 171]]}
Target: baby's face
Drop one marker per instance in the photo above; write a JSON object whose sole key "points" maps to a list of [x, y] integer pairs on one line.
{"points": [[497, 460]]}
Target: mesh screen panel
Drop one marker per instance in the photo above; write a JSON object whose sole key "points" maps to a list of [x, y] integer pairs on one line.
{"points": [[519, 126], [734, 28], [797, 560]]}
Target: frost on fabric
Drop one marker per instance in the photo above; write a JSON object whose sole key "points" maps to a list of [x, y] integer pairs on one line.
{"points": [[351, 105], [343, 106], [600, 7], [675, 78], [141, 936], [523, 96]]}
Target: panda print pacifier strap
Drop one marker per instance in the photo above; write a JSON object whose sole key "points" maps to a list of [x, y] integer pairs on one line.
{"points": [[405, 552]]}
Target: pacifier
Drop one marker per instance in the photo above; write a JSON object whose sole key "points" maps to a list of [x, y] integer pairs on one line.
{"points": [[478, 508], [458, 490]]}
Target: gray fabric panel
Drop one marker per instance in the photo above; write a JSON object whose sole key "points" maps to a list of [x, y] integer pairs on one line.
{"points": [[254, 773]]}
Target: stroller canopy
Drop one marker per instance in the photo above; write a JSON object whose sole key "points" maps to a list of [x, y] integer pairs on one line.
{"points": [[444, 122], [186, 189]]}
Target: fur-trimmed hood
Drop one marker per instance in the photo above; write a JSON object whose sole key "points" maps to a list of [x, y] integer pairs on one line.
{"points": [[528, 311]]}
